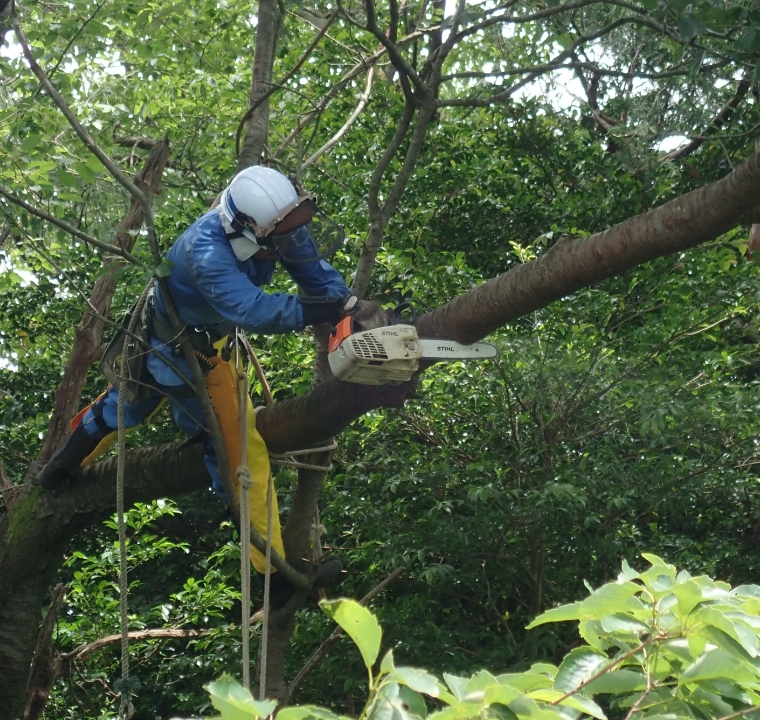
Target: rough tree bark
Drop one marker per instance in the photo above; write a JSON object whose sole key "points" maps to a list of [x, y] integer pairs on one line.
{"points": [[33, 532], [257, 127]]}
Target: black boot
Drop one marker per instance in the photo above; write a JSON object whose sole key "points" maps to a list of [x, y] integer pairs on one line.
{"points": [[280, 589], [67, 459]]}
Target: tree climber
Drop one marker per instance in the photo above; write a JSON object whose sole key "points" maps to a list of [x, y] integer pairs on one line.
{"points": [[218, 266]]}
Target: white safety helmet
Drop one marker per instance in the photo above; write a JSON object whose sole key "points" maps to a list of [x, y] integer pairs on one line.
{"points": [[267, 208], [260, 193]]}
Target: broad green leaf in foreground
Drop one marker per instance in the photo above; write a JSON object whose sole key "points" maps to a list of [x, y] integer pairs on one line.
{"points": [[307, 712], [234, 702], [360, 625]]}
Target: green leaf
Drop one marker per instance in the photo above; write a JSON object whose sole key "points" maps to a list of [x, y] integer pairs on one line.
{"points": [[307, 712], [579, 665], [234, 702], [577, 702], [456, 684], [689, 595], [164, 268], [558, 614], [360, 625], [525, 681], [29, 143], [620, 623], [717, 664], [388, 665], [84, 172], [479, 683], [749, 41], [414, 701], [610, 599], [528, 708], [501, 695], [420, 681], [689, 25], [737, 631], [617, 681], [94, 164]]}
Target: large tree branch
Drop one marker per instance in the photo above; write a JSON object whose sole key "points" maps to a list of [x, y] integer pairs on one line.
{"points": [[680, 224]]}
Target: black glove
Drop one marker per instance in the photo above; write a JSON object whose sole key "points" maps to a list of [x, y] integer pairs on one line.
{"points": [[325, 309], [368, 315]]}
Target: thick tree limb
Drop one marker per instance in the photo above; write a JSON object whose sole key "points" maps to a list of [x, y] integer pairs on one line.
{"points": [[257, 127], [281, 82], [86, 649], [374, 238], [678, 225]]}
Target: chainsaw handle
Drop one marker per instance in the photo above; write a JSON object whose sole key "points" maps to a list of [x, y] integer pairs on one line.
{"points": [[395, 316]]}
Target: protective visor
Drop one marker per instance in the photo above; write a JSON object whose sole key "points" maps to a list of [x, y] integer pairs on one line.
{"points": [[319, 238]]}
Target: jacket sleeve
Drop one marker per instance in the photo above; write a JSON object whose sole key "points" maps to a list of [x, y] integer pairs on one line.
{"points": [[318, 277], [225, 286]]}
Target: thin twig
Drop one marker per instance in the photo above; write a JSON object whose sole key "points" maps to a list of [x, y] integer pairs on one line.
{"points": [[63, 225], [354, 115], [608, 668], [79, 129], [326, 646]]}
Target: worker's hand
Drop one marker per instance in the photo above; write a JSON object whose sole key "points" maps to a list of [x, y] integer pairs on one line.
{"points": [[318, 310], [368, 315]]}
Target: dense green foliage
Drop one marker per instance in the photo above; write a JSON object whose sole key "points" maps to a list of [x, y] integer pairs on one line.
{"points": [[659, 643], [620, 420]]}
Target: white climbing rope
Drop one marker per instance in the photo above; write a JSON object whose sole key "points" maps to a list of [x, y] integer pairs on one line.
{"points": [[286, 460], [126, 708], [245, 483], [267, 588]]}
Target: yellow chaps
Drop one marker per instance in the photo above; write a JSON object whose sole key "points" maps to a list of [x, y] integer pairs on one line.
{"points": [[221, 383]]}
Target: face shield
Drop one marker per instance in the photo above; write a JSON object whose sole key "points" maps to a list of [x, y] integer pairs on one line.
{"points": [[305, 235]]}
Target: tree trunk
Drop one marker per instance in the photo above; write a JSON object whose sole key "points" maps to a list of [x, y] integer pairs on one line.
{"points": [[257, 126], [34, 534]]}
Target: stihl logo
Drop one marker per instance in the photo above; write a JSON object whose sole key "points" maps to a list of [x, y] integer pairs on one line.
{"points": [[446, 348], [390, 333]]}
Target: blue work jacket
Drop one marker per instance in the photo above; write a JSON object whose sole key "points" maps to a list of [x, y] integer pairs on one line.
{"points": [[211, 287]]}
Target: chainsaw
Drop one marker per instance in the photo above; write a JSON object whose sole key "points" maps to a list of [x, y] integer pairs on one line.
{"points": [[391, 354]]}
